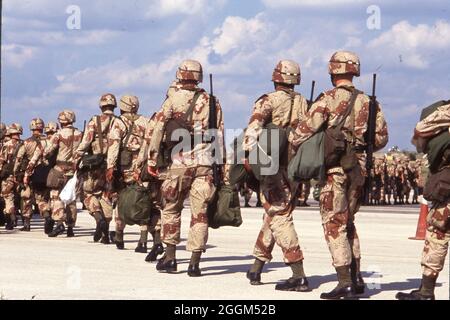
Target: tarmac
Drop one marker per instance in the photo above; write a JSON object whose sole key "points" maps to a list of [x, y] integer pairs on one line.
{"points": [[34, 266]]}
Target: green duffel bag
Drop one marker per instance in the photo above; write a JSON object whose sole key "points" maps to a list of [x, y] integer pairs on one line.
{"points": [[224, 209], [134, 205], [309, 163]]}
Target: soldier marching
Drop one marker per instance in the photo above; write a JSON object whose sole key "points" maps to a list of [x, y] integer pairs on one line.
{"points": [[117, 153]]}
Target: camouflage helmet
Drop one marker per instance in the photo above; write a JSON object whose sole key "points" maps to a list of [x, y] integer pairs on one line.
{"points": [[190, 70], [108, 99], [15, 128], [287, 71], [51, 127], [129, 103], [344, 62], [37, 124], [66, 117]]}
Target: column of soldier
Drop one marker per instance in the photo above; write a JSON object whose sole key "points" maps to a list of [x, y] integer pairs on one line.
{"points": [[106, 136]]}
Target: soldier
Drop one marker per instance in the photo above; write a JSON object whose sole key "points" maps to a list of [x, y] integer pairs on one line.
{"points": [[190, 171], [27, 159], [9, 183], [284, 107], [129, 136], [246, 193], [340, 198], [305, 188], [64, 143], [97, 192], [2, 203], [438, 220]]}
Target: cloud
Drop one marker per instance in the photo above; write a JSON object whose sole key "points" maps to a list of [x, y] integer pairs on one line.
{"points": [[413, 45], [58, 38], [310, 3], [165, 8], [237, 32], [17, 55]]}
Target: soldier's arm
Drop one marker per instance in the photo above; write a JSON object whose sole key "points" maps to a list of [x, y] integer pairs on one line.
{"points": [[115, 137], [142, 156], [261, 115], [313, 121], [52, 145], [434, 123], [37, 155], [88, 137], [221, 132], [160, 121], [381, 131], [20, 155]]}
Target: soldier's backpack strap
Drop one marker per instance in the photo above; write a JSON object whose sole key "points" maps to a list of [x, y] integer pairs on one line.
{"points": [[99, 133], [190, 111], [129, 133]]}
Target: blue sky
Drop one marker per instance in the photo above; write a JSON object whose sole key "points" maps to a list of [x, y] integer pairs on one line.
{"points": [[135, 46]]}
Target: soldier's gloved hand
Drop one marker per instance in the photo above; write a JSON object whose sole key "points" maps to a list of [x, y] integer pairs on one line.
{"points": [[109, 175], [153, 171], [136, 176]]}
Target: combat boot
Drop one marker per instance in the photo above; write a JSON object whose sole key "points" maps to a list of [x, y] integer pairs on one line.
{"points": [[98, 230], [294, 284], [156, 250], [194, 269], [57, 231], [105, 233], [142, 244], [9, 223], [344, 288], [2, 218], [70, 233], [48, 225], [425, 292], [357, 279], [165, 265], [254, 274], [26, 225], [168, 263], [141, 248], [118, 239]]}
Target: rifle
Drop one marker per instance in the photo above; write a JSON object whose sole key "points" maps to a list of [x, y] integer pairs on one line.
{"points": [[212, 124], [370, 140], [312, 95]]}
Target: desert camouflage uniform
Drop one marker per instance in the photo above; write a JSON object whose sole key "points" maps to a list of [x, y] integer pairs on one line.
{"points": [[9, 185], [97, 192], [138, 145], [31, 152], [437, 238], [65, 142], [340, 198], [190, 171], [278, 201], [3, 140]]}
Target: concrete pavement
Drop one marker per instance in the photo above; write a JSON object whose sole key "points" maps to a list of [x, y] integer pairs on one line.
{"points": [[34, 266]]}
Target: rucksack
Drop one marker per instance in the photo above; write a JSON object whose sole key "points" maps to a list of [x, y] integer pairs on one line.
{"points": [[224, 209], [134, 205], [437, 148]]}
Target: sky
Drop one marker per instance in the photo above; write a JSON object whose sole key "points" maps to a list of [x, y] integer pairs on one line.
{"points": [[50, 62]]}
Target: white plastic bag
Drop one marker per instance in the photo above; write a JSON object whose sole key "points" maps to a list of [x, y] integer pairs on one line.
{"points": [[69, 192]]}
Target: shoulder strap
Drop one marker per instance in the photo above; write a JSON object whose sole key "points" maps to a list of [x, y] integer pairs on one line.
{"points": [[16, 150], [293, 96], [350, 106], [130, 131], [188, 115], [100, 133]]}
